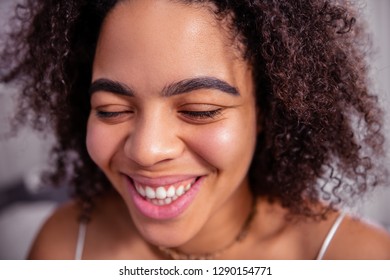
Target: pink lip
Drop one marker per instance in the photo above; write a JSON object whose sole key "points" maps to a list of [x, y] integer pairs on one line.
{"points": [[164, 212]]}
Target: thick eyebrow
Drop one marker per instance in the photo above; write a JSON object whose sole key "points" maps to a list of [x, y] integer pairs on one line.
{"points": [[181, 87], [110, 86], [189, 85]]}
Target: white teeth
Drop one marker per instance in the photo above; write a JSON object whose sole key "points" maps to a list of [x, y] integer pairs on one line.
{"points": [[150, 193], [141, 191], [161, 193], [180, 191], [171, 191]]}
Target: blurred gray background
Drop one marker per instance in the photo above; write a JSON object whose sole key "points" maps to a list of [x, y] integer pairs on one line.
{"points": [[25, 204]]}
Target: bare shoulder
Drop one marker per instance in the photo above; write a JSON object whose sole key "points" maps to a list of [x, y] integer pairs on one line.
{"points": [[357, 239], [57, 237]]}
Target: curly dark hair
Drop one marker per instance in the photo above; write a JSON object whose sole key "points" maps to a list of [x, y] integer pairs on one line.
{"points": [[320, 124]]}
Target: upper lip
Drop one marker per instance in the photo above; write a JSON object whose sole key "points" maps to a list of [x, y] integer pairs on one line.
{"points": [[160, 181]]}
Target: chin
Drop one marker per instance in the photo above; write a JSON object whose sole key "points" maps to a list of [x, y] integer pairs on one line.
{"points": [[166, 235]]}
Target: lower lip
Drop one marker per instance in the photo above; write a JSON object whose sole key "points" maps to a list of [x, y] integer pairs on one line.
{"points": [[164, 212]]}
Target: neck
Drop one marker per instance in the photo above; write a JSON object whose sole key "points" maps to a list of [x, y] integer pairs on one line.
{"points": [[223, 231]]}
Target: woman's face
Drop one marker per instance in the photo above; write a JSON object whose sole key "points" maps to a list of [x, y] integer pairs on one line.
{"points": [[173, 118]]}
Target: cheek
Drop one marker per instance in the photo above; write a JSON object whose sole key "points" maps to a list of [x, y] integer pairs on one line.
{"points": [[102, 143], [225, 146]]}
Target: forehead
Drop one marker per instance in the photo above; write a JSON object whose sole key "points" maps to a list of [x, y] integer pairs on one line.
{"points": [[161, 39]]}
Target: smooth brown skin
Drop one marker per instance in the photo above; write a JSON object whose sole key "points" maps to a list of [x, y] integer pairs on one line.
{"points": [[155, 137], [270, 237], [147, 45]]}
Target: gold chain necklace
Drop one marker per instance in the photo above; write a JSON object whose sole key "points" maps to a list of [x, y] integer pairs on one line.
{"points": [[177, 255]]}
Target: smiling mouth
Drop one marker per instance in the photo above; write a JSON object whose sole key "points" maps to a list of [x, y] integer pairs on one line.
{"points": [[164, 194]]}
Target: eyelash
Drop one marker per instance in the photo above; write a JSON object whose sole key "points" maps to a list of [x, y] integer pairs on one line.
{"points": [[110, 115], [201, 115], [197, 115]]}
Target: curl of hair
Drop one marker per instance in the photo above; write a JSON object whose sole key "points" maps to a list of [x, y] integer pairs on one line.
{"points": [[320, 125]]}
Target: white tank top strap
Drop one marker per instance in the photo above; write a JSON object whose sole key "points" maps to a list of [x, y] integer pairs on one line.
{"points": [[80, 240], [330, 235]]}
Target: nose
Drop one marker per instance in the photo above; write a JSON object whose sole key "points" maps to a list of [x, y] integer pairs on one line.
{"points": [[153, 139]]}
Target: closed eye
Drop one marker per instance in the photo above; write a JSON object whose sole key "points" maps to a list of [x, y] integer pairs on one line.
{"points": [[113, 116], [202, 114], [201, 117]]}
